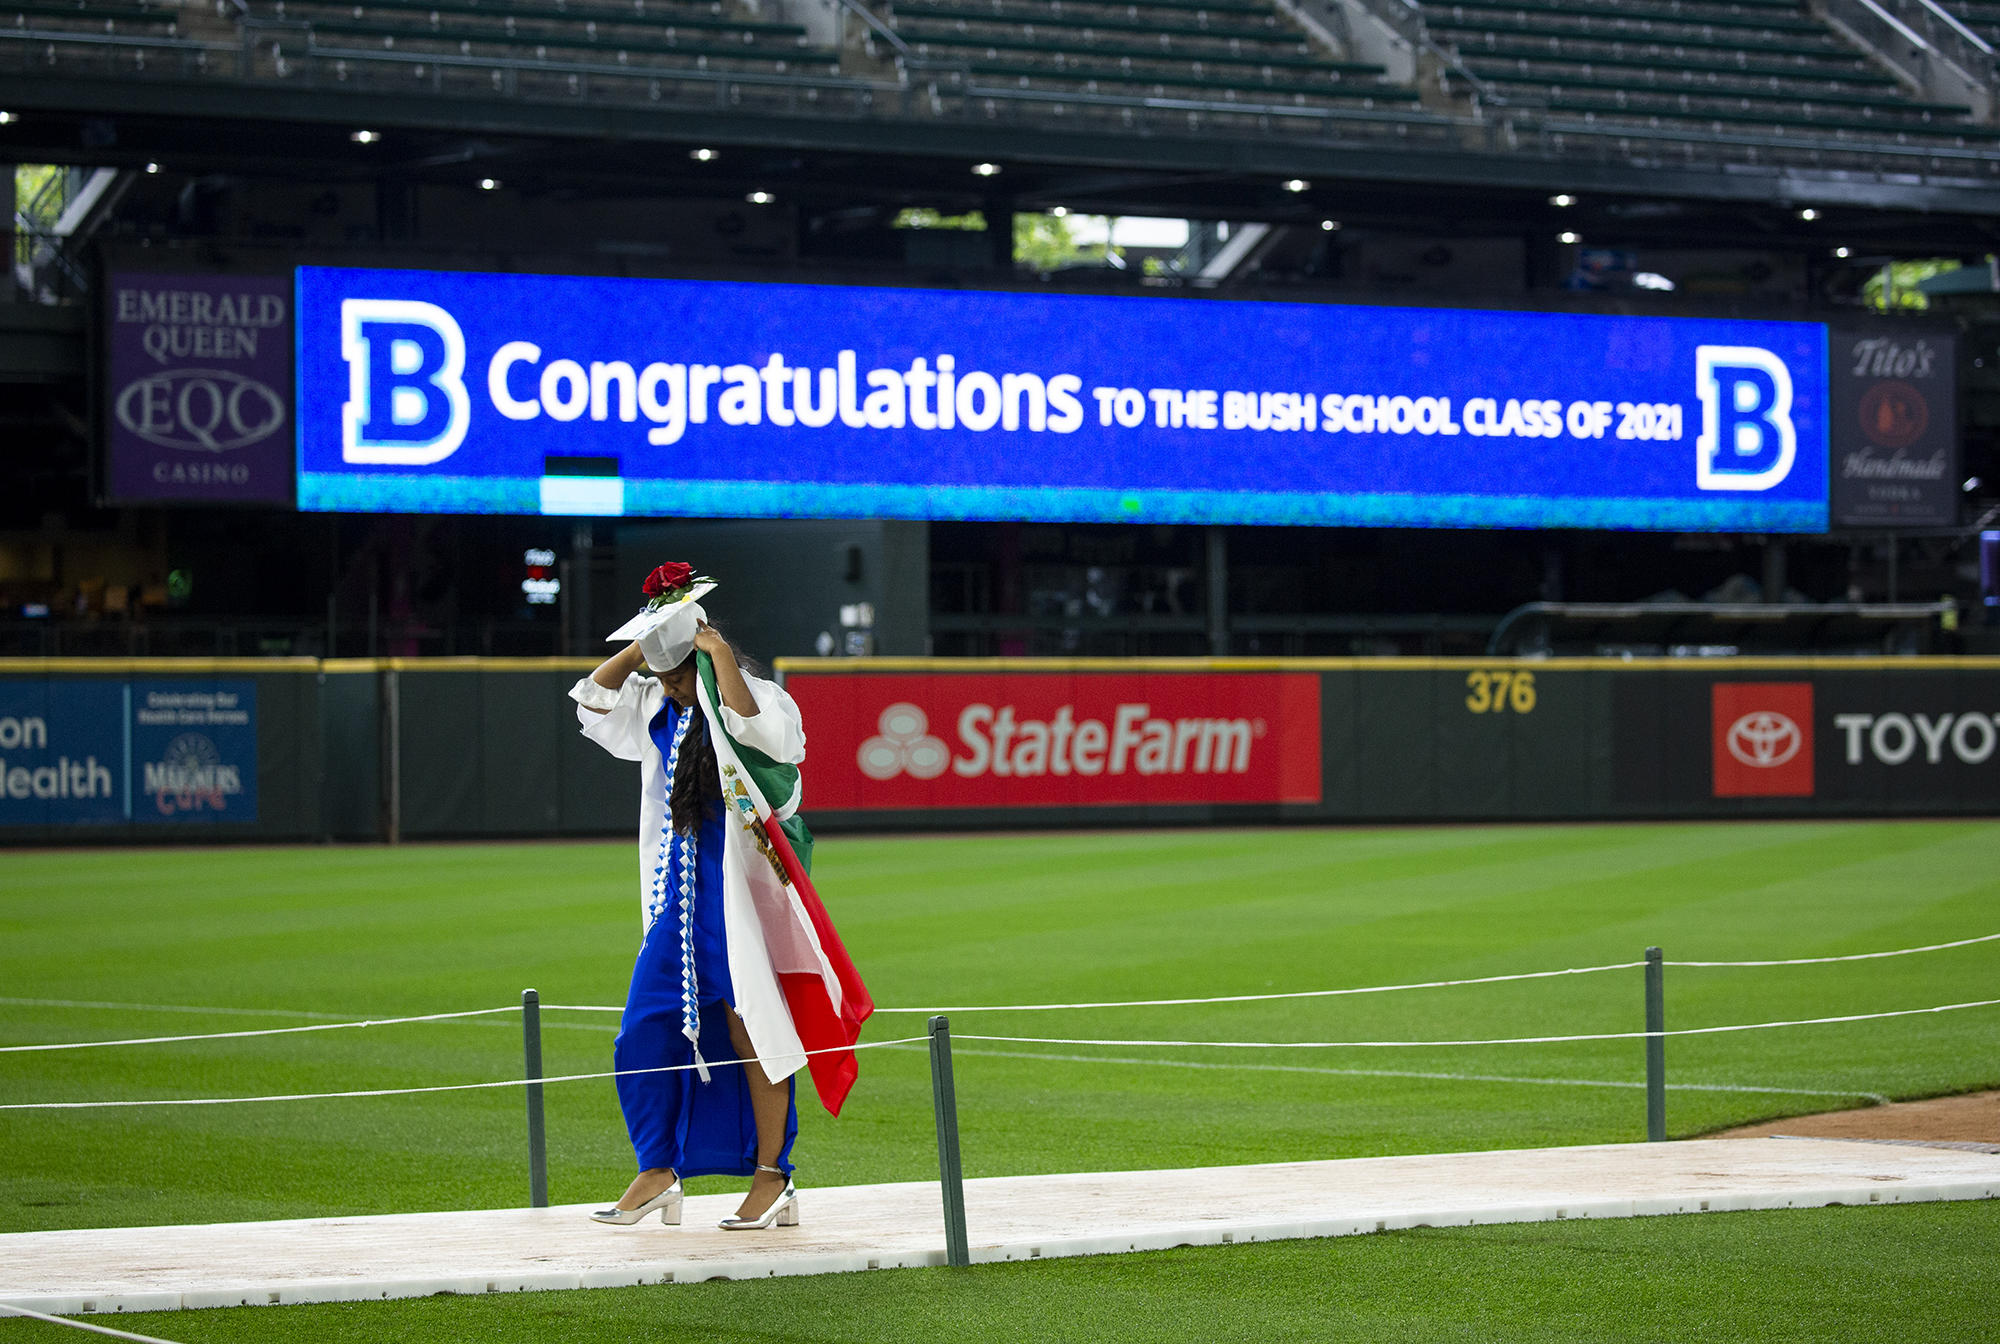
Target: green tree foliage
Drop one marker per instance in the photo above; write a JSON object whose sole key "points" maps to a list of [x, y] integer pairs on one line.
{"points": [[30, 180], [1048, 243], [931, 219], [1042, 242], [1896, 285]]}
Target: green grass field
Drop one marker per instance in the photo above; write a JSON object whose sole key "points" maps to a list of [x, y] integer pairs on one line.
{"points": [[265, 933]]}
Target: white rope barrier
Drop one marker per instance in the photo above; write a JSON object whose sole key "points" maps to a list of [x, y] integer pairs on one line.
{"points": [[1852, 956], [441, 1087], [1503, 1040], [1259, 998], [1014, 1040], [1421, 984], [957, 1008], [264, 1031], [82, 1325]]}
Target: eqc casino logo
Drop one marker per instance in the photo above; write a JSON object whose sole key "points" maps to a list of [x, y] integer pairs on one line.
{"points": [[1762, 735]]}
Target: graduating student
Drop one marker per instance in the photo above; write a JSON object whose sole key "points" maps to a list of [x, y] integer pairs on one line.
{"points": [[738, 961]]}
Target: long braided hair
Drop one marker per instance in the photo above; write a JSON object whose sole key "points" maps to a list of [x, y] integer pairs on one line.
{"points": [[697, 788]]}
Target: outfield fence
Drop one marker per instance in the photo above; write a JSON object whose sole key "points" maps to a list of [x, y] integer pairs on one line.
{"points": [[938, 1039], [435, 748]]}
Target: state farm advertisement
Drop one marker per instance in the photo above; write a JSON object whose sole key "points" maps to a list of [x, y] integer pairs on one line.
{"points": [[1057, 739]]}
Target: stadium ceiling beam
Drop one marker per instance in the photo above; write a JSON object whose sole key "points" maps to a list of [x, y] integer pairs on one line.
{"points": [[157, 107]]}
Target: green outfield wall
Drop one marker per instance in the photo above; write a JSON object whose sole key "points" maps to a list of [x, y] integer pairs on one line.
{"points": [[183, 750]]}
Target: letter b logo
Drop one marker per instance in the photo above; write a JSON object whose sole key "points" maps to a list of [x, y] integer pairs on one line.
{"points": [[1747, 438], [406, 399]]}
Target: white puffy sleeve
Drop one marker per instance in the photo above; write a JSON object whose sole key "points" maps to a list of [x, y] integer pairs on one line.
{"points": [[616, 720], [775, 729]]}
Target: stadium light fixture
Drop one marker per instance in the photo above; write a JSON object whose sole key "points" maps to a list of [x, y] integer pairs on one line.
{"points": [[1809, 214], [1059, 211], [704, 155], [489, 184], [1567, 237], [364, 137], [986, 170], [1296, 185], [1843, 253], [760, 198], [1329, 226], [7, 118], [1562, 200], [152, 168]]}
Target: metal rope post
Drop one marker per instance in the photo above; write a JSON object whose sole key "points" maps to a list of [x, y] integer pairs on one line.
{"points": [[531, 1052], [950, 1177], [1656, 1048]]}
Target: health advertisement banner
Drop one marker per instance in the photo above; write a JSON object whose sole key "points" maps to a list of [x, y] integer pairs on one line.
{"points": [[1034, 739], [471, 393], [198, 388], [89, 751]]}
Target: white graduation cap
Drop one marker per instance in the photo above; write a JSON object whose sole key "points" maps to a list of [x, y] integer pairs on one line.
{"points": [[666, 633]]}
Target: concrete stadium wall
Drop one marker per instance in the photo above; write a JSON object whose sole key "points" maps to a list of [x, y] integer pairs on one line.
{"points": [[173, 750]]}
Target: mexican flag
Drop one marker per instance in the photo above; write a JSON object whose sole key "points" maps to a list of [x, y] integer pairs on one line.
{"points": [[771, 857]]}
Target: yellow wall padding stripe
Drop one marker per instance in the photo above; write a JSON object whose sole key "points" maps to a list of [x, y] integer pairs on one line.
{"points": [[110, 667], [809, 666]]}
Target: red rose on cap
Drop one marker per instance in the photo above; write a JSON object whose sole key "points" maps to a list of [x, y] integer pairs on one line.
{"points": [[668, 577]]}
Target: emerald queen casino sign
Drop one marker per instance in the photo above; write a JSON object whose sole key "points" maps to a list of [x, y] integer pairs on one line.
{"points": [[469, 393]]}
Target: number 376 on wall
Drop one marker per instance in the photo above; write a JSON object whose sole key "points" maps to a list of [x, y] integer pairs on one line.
{"points": [[1497, 692]]}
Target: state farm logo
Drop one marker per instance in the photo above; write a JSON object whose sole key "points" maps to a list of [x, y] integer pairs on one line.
{"points": [[999, 742], [1062, 739], [1763, 740], [904, 746]]}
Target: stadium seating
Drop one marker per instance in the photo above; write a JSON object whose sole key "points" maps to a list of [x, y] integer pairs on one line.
{"points": [[1705, 80], [94, 16], [1981, 16], [1225, 50], [664, 33], [1763, 67]]}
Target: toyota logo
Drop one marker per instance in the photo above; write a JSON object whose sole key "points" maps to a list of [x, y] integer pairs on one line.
{"points": [[904, 746], [1764, 738]]}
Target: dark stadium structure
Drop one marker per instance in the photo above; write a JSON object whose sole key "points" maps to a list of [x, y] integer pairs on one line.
{"points": [[1730, 158]]}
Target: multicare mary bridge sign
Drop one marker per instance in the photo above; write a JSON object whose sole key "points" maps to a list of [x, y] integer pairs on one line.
{"points": [[451, 392]]}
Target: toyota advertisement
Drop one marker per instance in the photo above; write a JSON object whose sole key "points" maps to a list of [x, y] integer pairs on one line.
{"points": [[1852, 737], [1855, 738], [1059, 739], [437, 392]]}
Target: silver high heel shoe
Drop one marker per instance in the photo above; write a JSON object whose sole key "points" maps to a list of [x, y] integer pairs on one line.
{"points": [[668, 1202], [784, 1211]]}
